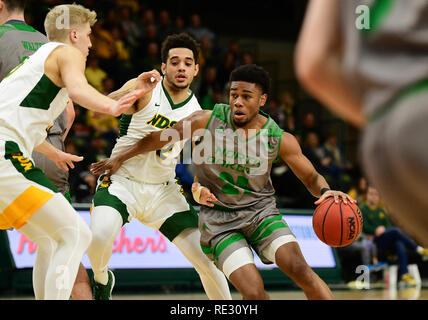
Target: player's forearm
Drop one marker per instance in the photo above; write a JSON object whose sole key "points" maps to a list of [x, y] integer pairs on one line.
{"points": [[47, 149], [149, 143], [315, 184], [88, 97], [327, 83], [318, 63]]}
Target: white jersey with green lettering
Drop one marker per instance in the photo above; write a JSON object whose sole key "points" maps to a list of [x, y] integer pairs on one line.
{"points": [[29, 101], [160, 113]]}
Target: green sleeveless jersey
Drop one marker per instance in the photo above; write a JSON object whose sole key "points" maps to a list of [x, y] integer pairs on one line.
{"points": [[237, 171], [17, 40]]}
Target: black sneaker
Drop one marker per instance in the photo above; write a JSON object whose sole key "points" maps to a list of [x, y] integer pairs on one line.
{"points": [[103, 292]]}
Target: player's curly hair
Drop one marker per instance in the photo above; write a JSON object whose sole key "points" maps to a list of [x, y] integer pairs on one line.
{"points": [[252, 73], [179, 40]]}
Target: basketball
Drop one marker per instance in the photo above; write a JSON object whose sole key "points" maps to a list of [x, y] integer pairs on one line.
{"points": [[337, 224]]}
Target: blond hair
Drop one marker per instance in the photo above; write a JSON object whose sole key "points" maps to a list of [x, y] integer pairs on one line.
{"points": [[61, 19]]}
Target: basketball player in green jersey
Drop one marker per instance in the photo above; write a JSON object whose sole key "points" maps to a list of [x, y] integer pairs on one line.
{"points": [[367, 61], [18, 41], [233, 159]]}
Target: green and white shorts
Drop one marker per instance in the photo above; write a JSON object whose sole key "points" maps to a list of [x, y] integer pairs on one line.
{"points": [[160, 206], [228, 236]]}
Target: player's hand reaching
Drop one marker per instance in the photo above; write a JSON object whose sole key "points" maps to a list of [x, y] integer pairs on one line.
{"points": [[108, 166], [337, 195], [147, 81], [203, 195], [64, 160]]}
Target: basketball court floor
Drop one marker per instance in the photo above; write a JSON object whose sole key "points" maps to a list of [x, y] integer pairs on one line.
{"points": [[340, 292]]}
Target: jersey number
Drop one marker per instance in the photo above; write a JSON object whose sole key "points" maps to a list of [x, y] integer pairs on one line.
{"points": [[230, 186]]}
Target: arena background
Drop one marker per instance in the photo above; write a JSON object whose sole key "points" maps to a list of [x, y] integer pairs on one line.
{"points": [[231, 33]]}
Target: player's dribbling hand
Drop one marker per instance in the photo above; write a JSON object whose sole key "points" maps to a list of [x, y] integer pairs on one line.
{"points": [[337, 195], [108, 166], [206, 198]]}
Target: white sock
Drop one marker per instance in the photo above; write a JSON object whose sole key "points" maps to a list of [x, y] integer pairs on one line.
{"points": [[213, 280], [106, 223], [101, 276]]}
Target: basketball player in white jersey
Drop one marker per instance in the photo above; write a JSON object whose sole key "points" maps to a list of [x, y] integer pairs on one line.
{"points": [[31, 97], [145, 187]]}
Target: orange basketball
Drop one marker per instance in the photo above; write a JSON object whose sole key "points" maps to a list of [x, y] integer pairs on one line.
{"points": [[337, 224]]}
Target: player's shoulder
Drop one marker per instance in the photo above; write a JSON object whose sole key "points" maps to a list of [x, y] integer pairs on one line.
{"points": [[64, 52], [271, 128], [221, 111]]}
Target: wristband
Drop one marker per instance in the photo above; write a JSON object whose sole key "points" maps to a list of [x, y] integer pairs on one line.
{"points": [[324, 190], [197, 193]]}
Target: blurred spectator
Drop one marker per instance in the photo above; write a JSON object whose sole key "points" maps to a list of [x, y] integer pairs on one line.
{"points": [[151, 59], [102, 43], [150, 35], [274, 111], [358, 190], [225, 68], [309, 124], [132, 4], [164, 24], [247, 58], [313, 151], [94, 74], [205, 53], [133, 33], [179, 25], [287, 103], [122, 52], [335, 167], [106, 128], [197, 30], [108, 85], [111, 19], [290, 126], [387, 238], [209, 100], [147, 17], [209, 82]]}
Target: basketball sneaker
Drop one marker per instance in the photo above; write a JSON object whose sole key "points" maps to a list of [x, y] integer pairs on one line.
{"points": [[407, 281], [103, 292], [424, 254]]}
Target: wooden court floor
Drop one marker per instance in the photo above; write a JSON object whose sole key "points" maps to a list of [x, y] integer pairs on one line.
{"points": [[340, 292]]}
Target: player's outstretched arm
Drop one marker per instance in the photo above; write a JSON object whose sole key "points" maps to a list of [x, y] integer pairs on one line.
{"points": [[71, 64], [182, 130], [318, 63], [62, 159], [291, 153]]}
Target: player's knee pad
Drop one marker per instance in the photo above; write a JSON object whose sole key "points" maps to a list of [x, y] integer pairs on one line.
{"points": [[270, 250], [237, 259]]}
